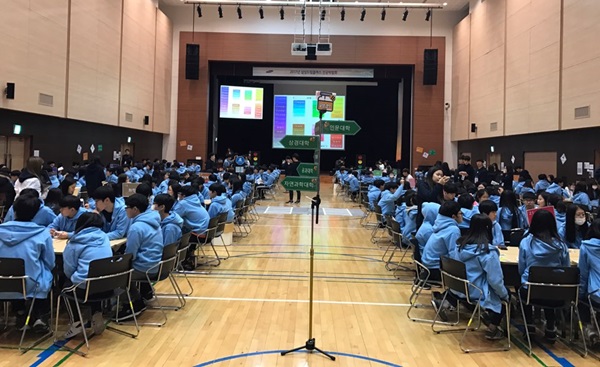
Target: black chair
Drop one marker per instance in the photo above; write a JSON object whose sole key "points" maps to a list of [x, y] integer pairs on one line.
{"points": [[222, 221], [206, 238], [454, 278], [558, 285], [516, 235], [421, 283], [107, 279], [184, 246], [380, 226], [13, 279], [594, 309]]}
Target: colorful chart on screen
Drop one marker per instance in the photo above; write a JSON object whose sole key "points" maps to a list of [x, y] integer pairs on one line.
{"points": [[297, 115], [238, 102]]}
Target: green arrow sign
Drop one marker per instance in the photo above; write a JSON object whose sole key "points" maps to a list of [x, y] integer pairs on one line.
{"points": [[348, 127], [300, 183], [300, 142], [308, 170]]}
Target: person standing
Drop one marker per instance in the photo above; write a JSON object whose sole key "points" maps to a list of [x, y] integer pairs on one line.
{"points": [[291, 169]]}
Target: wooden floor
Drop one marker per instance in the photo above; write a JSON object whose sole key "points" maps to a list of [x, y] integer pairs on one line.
{"points": [[254, 304]]}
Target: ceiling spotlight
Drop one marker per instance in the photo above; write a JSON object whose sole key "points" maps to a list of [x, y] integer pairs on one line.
{"points": [[239, 12], [383, 14], [261, 13], [199, 10], [405, 15], [323, 14], [303, 13], [428, 16], [362, 15], [281, 13], [343, 14], [220, 10]]}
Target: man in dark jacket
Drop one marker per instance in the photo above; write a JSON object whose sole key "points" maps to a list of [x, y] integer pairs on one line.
{"points": [[7, 190], [291, 169]]}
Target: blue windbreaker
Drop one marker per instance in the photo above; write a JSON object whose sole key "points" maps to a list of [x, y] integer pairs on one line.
{"points": [[84, 247]]}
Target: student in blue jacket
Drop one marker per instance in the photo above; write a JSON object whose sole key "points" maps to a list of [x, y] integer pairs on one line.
{"points": [[556, 188], [482, 261], [145, 243], [442, 241], [237, 191], [195, 217], [44, 215], [116, 222], [529, 200], [589, 279], [353, 185], [87, 243], [580, 195], [542, 183], [219, 202], [466, 202], [490, 209], [541, 247], [575, 226], [409, 214], [374, 193], [170, 222], [508, 214], [63, 225], [31, 242], [391, 193], [430, 213]]}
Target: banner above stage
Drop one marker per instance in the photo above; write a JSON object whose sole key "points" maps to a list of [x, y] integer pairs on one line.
{"points": [[314, 72]]}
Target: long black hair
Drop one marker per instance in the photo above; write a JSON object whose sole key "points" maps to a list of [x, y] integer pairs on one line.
{"points": [[87, 220], [480, 233], [594, 231], [570, 226], [508, 200], [543, 227]]}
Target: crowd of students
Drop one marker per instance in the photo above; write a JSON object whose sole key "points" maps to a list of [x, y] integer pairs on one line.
{"points": [[171, 199], [469, 213]]}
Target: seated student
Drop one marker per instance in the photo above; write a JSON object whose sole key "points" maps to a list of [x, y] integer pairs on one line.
{"points": [[467, 208], [374, 193], [528, 204], [145, 190], [490, 209], [145, 243], [68, 185], [170, 222], [542, 199], [589, 279], [527, 187], [87, 243], [481, 195], [541, 247], [237, 192], [63, 225], [575, 227], [556, 188], [482, 261], [508, 215], [542, 183], [408, 215], [390, 194], [116, 222], [430, 213], [353, 185], [52, 200], [449, 191], [580, 195], [219, 202], [110, 175], [24, 239], [195, 217], [44, 216], [442, 241], [366, 177], [494, 194], [560, 210]]}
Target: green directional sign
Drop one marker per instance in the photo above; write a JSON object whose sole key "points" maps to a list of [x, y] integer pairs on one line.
{"points": [[348, 127], [300, 183], [300, 142], [308, 170]]}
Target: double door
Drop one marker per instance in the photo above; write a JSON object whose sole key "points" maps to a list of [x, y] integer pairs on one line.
{"points": [[14, 151]]}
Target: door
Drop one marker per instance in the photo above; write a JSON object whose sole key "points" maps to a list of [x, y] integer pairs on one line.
{"points": [[128, 146], [14, 151], [540, 162], [494, 158]]}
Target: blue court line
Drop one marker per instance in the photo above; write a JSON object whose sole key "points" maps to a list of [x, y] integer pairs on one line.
{"points": [[245, 355], [563, 362], [44, 355], [304, 252]]}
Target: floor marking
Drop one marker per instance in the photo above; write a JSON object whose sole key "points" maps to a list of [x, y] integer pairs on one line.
{"points": [[280, 300], [266, 210], [349, 212], [324, 212], [295, 276], [339, 354]]}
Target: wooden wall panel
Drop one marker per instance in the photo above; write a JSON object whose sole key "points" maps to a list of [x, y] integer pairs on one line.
{"points": [[428, 106], [581, 63], [34, 54], [162, 74], [460, 80], [487, 68], [137, 63], [94, 61], [532, 66]]}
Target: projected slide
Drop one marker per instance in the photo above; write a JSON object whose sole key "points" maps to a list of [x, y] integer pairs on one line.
{"points": [[241, 102], [297, 115]]}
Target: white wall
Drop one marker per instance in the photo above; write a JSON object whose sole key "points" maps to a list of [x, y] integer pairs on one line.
{"points": [[181, 16]]}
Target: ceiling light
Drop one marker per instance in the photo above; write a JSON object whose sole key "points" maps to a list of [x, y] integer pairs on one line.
{"points": [[428, 16], [220, 10], [405, 15], [362, 15], [281, 13], [239, 12], [199, 10], [383, 14], [343, 14], [261, 13]]}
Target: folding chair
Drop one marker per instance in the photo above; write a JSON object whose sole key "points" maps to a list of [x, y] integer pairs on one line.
{"points": [[239, 227], [222, 221], [13, 279], [594, 310], [206, 238], [454, 278], [554, 284], [380, 226], [108, 278], [422, 280], [364, 220], [184, 245], [393, 228], [409, 246]]}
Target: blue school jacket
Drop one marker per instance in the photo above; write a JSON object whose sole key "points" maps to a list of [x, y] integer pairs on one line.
{"points": [[484, 271], [247, 188], [164, 186], [373, 195], [442, 241], [523, 222], [535, 252], [112, 179], [387, 201], [562, 232], [44, 217], [32, 243], [409, 220], [467, 215], [583, 199], [220, 204], [239, 195], [84, 247], [557, 190], [497, 236], [505, 217], [589, 267], [560, 219], [119, 223], [171, 228], [430, 212], [195, 217], [495, 199], [62, 223], [541, 185], [353, 183], [145, 241]]}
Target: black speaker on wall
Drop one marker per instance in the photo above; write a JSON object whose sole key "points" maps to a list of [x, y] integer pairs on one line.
{"points": [[430, 66], [192, 61], [146, 120], [10, 90]]}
